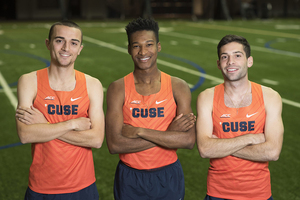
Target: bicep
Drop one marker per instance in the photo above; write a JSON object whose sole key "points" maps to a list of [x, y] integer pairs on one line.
{"points": [[26, 90], [204, 124], [114, 113], [96, 113], [182, 96], [274, 125]]}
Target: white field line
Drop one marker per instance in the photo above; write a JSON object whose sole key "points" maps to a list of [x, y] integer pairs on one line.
{"points": [[12, 89], [174, 66], [244, 30], [213, 41], [12, 98]]}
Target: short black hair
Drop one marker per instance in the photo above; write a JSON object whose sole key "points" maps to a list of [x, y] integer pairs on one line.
{"points": [[235, 38], [141, 24], [65, 23]]}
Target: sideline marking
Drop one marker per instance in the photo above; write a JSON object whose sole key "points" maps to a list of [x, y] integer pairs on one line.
{"points": [[289, 53], [257, 48], [268, 81], [243, 30], [12, 89], [8, 91], [11, 145]]}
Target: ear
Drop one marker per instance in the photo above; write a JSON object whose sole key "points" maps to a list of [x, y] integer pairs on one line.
{"points": [[129, 49], [47, 42], [249, 62], [80, 49], [158, 47]]}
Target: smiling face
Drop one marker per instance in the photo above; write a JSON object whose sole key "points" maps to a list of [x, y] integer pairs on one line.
{"points": [[143, 49], [233, 62], [64, 46]]}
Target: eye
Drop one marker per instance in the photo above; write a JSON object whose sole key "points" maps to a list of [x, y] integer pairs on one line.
{"points": [[149, 45], [58, 41], [224, 57], [74, 43]]}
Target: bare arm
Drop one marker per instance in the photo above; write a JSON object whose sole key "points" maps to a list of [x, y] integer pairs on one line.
{"points": [[181, 132], [271, 148], [116, 142], [41, 132], [92, 137], [210, 147]]}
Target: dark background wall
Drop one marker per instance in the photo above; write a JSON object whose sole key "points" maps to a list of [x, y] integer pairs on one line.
{"points": [[105, 9]]}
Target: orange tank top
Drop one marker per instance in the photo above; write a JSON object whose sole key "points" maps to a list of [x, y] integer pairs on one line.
{"points": [[231, 177], [155, 111], [59, 167]]}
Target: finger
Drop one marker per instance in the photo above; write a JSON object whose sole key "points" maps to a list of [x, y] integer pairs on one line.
{"points": [[178, 117], [187, 119], [26, 110], [189, 124], [23, 121], [18, 111]]}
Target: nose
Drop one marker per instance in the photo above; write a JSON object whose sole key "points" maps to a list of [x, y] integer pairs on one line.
{"points": [[142, 50], [65, 47], [230, 60]]}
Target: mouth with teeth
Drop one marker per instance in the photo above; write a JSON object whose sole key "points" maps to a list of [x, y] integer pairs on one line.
{"points": [[64, 55], [144, 59], [231, 70]]}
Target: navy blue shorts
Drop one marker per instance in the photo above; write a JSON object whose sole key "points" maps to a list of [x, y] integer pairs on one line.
{"points": [[88, 193], [215, 198], [157, 184]]}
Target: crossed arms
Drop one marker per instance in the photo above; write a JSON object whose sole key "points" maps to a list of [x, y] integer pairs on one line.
{"points": [[255, 147], [122, 138], [32, 126]]}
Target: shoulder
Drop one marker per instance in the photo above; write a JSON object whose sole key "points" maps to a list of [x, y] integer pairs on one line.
{"points": [[179, 85], [207, 93], [267, 91], [117, 85], [180, 89], [27, 89], [92, 81], [178, 82], [30, 75], [94, 87], [28, 79], [206, 96], [116, 89], [271, 97]]}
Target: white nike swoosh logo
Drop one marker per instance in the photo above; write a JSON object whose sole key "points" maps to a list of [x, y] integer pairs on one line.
{"points": [[251, 115], [75, 99], [158, 102]]}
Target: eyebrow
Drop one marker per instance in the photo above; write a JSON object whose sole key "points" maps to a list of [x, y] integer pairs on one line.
{"points": [[233, 52], [146, 41], [59, 37]]}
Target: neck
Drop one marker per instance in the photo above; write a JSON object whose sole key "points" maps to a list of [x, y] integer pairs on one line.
{"points": [[61, 78], [237, 88], [61, 73], [146, 76]]}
